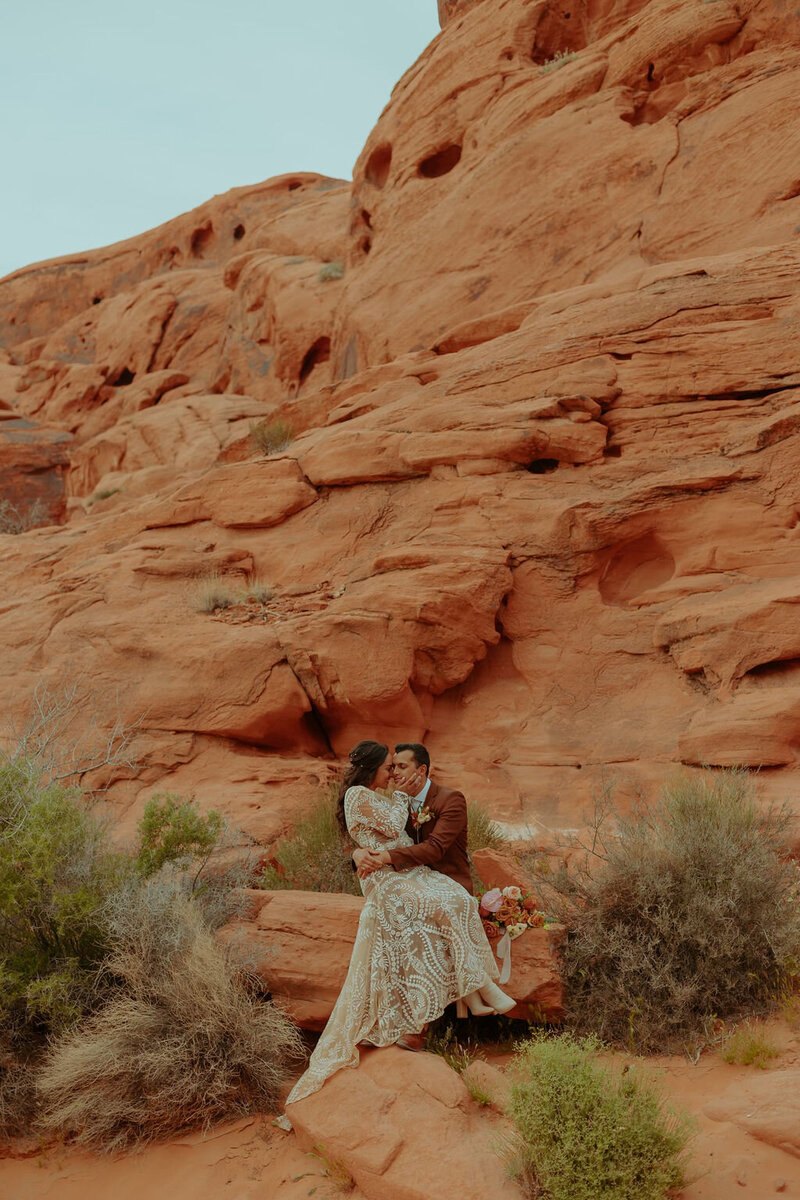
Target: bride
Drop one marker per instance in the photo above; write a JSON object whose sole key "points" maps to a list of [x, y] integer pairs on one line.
{"points": [[420, 943]]}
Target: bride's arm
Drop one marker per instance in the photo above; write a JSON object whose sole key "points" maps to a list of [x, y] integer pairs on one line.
{"points": [[372, 818]]}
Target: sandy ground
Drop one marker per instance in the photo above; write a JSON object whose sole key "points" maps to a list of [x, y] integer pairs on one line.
{"points": [[251, 1160]]}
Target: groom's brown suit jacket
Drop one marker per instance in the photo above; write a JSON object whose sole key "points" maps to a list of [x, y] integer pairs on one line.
{"points": [[440, 843]]}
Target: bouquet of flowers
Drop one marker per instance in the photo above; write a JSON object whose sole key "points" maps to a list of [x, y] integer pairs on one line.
{"points": [[508, 910]]}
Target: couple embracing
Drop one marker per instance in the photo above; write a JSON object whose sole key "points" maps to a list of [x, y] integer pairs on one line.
{"points": [[420, 943]]}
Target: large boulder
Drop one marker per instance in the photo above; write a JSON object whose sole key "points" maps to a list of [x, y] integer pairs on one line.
{"points": [[403, 1127], [767, 1106], [300, 944]]}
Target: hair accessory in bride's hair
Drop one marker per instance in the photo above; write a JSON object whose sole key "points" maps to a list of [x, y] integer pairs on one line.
{"points": [[355, 758]]}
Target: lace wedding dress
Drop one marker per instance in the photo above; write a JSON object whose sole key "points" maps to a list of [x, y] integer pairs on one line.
{"points": [[420, 945]]}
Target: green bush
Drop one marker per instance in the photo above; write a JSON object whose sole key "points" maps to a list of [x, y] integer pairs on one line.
{"points": [[182, 1042], [269, 437], [56, 874], [687, 913], [583, 1133], [315, 857], [172, 829]]}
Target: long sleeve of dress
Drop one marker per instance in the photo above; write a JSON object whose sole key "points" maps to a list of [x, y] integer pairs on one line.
{"points": [[376, 822]]}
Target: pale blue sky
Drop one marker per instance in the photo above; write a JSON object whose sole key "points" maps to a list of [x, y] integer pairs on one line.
{"points": [[118, 115]]}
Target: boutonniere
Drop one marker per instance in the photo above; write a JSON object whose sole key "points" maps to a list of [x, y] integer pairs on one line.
{"points": [[422, 815]]}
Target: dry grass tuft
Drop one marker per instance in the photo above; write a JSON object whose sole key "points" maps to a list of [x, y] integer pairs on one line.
{"points": [[482, 832], [270, 437], [14, 519], [213, 592], [182, 1044], [558, 60], [751, 1046]]}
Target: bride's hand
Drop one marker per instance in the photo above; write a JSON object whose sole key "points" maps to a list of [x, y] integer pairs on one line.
{"points": [[414, 782]]}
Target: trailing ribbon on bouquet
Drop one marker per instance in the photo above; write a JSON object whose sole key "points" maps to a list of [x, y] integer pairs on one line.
{"points": [[503, 951]]}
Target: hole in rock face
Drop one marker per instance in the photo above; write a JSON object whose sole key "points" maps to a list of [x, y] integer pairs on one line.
{"points": [[123, 379], [365, 245], [201, 239], [366, 218], [557, 34], [440, 163], [613, 452], [378, 165], [320, 352], [238, 232], [97, 299], [651, 72], [634, 568], [542, 466], [294, 184], [780, 670]]}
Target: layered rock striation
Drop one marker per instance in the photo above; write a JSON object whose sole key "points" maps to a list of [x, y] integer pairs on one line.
{"points": [[540, 361]]}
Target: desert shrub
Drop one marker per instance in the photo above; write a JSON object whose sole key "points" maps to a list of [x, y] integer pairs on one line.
{"points": [[17, 1096], [585, 1133], [315, 857], [330, 270], [106, 493], [750, 1046], [558, 60], [173, 829], [269, 437], [686, 913], [57, 872], [182, 1042], [482, 832], [15, 519]]}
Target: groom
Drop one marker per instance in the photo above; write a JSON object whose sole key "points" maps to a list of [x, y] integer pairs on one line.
{"points": [[437, 822]]}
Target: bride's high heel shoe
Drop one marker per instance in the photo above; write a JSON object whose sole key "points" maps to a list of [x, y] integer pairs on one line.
{"points": [[474, 1003], [491, 994]]}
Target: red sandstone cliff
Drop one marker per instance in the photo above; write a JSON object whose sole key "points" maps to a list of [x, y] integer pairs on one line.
{"points": [[542, 506]]}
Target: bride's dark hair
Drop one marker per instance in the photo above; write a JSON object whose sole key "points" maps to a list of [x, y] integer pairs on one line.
{"points": [[365, 758]]}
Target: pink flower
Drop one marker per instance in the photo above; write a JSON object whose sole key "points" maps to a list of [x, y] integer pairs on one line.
{"points": [[491, 901], [512, 893]]}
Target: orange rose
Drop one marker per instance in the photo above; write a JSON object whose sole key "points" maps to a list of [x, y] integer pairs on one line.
{"points": [[535, 920], [529, 903], [492, 932], [507, 912]]}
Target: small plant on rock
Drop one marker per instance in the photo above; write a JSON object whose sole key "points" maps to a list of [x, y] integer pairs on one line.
{"points": [[329, 271], [213, 593], [16, 519], [558, 60], [270, 437], [482, 832], [585, 1133], [258, 590]]}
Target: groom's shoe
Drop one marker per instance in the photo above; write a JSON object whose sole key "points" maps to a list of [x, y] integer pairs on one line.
{"points": [[411, 1041]]}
